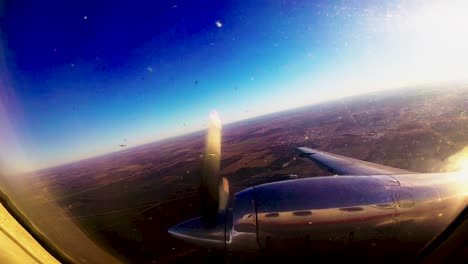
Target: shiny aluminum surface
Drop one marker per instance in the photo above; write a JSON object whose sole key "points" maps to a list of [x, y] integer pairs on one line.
{"points": [[382, 215], [372, 215], [324, 214], [241, 227], [197, 232]]}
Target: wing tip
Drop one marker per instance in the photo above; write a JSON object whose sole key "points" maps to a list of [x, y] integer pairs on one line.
{"points": [[305, 150]]}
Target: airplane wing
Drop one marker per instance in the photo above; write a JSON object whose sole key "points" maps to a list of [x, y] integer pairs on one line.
{"points": [[347, 166]]}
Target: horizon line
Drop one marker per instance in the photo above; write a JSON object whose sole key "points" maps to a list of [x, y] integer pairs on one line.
{"points": [[326, 100]]}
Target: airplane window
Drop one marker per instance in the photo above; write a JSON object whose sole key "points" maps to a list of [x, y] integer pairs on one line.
{"points": [[352, 209], [302, 213], [272, 215], [121, 122]]}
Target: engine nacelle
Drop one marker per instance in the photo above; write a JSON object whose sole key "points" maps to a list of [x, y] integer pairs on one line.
{"points": [[372, 215]]}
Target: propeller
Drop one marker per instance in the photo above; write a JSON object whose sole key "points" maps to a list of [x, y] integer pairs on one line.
{"points": [[208, 231], [214, 189]]}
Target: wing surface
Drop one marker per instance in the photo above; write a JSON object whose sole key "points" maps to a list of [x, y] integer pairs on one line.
{"points": [[347, 166]]}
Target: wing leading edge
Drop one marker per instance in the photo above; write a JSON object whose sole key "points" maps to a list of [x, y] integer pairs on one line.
{"points": [[347, 166]]}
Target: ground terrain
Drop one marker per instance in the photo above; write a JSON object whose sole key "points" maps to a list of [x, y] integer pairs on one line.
{"points": [[127, 200]]}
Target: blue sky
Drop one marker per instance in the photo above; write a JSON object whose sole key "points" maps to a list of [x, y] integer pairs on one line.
{"points": [[80, 77]]}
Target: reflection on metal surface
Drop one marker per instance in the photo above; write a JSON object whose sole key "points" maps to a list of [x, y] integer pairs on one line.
{"points": [[380, 215], [386, 205], [405, 203], [458, 161], [345, 165], [196, 232], [373, 213], [241, 232]]}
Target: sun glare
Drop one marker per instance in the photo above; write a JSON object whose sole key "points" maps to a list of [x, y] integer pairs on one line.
{"points": [[459, 161], [432, 37], [442, 27], [463, 164]]}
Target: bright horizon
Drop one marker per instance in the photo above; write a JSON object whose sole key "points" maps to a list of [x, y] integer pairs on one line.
{"points": [[186, 133]]}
